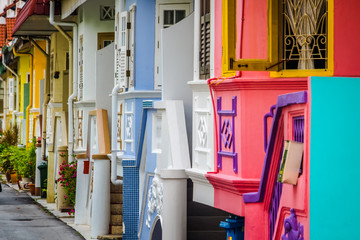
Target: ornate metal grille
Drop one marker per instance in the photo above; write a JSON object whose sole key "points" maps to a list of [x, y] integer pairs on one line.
{"points": [[298, 129], [305, 37]]}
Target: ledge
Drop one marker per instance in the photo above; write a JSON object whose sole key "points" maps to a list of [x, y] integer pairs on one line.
{"points": [[172, 173], [84, 104], [100, 156], [139, 94], [81, 156], [232, 184]]}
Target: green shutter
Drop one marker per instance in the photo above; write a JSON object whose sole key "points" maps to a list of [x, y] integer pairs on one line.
{"points": [[26, 97]]}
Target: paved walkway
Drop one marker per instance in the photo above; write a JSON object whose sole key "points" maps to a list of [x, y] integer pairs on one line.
{"points": [[22, 219]]}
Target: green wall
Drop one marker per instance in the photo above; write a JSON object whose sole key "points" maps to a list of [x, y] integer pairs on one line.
{"points": [[335, 158]]}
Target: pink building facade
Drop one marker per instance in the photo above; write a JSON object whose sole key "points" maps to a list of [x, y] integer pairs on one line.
{"points": [[256, 111]]}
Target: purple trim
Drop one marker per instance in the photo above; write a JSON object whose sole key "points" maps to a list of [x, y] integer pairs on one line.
{"points": [[275, 202], [227, 134], [283, 100], [266, 116], [293, 229]]}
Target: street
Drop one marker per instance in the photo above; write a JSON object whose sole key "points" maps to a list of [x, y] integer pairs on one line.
{"points": [[21, 218]]}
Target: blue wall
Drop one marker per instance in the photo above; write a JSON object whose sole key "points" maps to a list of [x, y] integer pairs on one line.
{"points": [[334, 158], [144, 44]]}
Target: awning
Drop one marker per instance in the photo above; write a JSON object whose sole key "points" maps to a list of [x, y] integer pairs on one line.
{"points": [[69, 6], [32, 20]]}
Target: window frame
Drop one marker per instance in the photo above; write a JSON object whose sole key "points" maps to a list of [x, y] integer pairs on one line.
{"points": [[271, 63]]}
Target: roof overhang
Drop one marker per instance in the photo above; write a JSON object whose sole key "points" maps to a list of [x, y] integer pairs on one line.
{"points": [[33, 19], [68, 7]]}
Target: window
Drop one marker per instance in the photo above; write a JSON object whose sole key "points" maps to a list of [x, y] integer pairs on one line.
{"points": [[107, 13], [204, 39], [125, 52], [105, 39], [167, 15], [299, 42]]}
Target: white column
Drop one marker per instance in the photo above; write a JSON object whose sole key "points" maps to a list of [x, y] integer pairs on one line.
{"points": [[174, 203], [100, 218], [82, 203]]}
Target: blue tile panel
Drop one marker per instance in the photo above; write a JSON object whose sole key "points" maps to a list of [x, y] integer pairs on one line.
{"points": [[131, 202]]}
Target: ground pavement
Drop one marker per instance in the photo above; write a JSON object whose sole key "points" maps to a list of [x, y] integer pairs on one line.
{"points": [[22, 219]]}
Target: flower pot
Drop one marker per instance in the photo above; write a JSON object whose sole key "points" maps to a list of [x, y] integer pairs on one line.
{"points": [[13, 178], [32, 188], [86, 167]]}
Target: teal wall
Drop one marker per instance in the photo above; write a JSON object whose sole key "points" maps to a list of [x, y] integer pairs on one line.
{"points": [[335, 158]]}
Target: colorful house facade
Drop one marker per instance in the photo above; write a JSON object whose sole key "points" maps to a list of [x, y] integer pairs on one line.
{"points": [[180, 113]]}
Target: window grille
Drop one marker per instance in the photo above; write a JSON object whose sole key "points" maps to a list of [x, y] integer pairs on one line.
{"points": [[304, 41], [298, 129], [107, 13], [205, 39]]}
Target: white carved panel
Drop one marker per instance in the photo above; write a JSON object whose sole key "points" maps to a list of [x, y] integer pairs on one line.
{"points": [[79, 129], [129, 125], [203, 132], [156, 132]]}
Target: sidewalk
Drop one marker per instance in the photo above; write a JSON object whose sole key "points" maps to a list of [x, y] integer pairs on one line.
{"points": [[84, 230]]}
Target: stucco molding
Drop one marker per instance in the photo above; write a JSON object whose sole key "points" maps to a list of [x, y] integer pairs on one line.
{"points": [[155, 199], [233, 184], [261, 84]]}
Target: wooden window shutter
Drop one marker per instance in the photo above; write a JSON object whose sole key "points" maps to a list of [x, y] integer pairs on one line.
{"points": [[205, 39], [123, 60], [11, 94], [131, 57]]}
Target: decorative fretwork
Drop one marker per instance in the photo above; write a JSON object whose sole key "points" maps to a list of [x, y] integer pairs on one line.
{"points": [[79, 140], [107, 13], [202, 131], [119, 119], [305, 37], [226, 133], [293, 229], [275, 202]]}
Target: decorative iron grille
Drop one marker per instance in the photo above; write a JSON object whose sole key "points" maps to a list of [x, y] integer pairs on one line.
{"points": [[305, 39], [298, 129]]}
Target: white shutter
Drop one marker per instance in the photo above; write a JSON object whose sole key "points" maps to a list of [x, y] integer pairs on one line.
{"points": [[121, 52], [11, 94], [132, 45]]}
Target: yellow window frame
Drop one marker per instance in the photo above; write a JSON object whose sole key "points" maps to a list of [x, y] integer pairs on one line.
{"points": [[271, 64]]}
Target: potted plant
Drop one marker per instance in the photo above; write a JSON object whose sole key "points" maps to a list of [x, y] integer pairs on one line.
{"points": [[8, 140], [67, 180]]}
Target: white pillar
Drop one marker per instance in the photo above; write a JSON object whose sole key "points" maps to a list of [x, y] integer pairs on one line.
{"points": [[100, 218], [82, 202], [174, 203]]}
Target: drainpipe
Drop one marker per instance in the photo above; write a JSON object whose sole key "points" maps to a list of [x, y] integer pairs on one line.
{"points": [[5, 89], [4, 104], [46, 93], [114, 107], [30, 92], [73, 73]]}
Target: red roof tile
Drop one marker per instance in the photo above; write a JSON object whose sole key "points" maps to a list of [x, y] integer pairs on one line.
{"points": [[10, 22]]}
